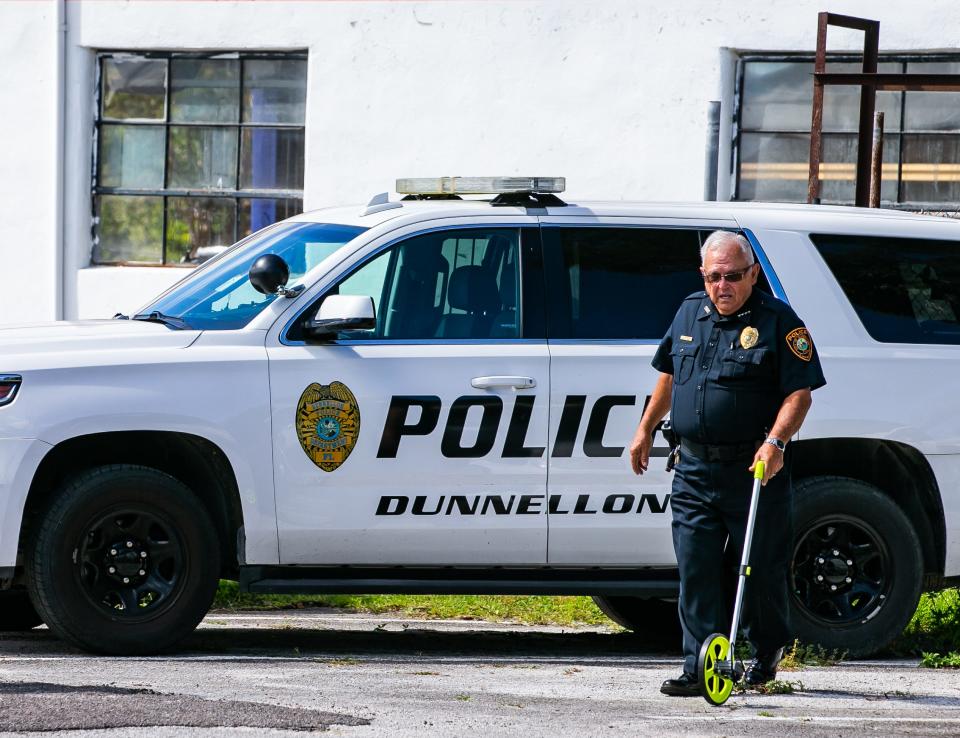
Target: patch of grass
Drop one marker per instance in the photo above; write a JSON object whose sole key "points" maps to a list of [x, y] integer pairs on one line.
{"points": [[777, 686], [524, 609], [800, 655], [346, 661], [935, 626], [764, 713], [936, 661], [462, 697]]}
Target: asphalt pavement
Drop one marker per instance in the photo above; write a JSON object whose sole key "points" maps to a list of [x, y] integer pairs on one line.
{"points": [[282, 674]]}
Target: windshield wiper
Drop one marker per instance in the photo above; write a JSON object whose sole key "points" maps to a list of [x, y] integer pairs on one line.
{"points": [[168, 320]]}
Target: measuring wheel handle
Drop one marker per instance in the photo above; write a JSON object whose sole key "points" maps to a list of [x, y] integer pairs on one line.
{"points": [[714, 671]]}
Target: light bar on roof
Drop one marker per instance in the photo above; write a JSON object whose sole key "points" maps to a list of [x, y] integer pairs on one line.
{"points": [[479, 185]]}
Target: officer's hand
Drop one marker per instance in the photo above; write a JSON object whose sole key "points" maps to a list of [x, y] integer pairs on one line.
{"points": [[640, 451], [772, 458]]}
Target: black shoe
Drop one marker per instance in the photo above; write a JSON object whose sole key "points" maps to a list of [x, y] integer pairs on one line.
{"points": [[763, 668], [685, 686]]}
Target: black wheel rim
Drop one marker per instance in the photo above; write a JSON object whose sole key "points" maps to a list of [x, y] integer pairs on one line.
{"points": [[130, 563], [842, 571]]}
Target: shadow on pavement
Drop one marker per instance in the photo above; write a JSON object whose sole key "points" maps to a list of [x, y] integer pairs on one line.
{"points": [[420, 641], [417, 640]]}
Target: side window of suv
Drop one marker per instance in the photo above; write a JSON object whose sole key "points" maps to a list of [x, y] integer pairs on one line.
{"points": [[620, 283], [904, 290], [457, 284]]}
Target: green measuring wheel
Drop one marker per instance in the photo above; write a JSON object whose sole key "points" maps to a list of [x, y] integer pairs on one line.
{"points": [[717, 667], [714, 669]]}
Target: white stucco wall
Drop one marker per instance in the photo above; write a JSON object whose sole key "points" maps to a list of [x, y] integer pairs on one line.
{"points": [[611, 94], [28, 244]]}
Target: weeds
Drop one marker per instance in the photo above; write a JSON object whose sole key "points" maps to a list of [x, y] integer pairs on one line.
{"points": [[801, 654], [936, 661], [777, 686], [346, 661], [935, 627]]}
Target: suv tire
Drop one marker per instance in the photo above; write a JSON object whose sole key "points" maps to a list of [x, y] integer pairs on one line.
{"points": [[857, 566], [125, 561], [16, 611]]}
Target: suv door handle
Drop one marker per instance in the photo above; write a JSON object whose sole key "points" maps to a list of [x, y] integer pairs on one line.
{"points": [[492, 382]]}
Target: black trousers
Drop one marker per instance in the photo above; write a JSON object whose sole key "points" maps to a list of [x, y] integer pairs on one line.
{"points": [[710, 502]]}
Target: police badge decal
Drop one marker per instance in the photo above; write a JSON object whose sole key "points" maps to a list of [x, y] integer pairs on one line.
{"points": [[328, 424], [799, 342]]}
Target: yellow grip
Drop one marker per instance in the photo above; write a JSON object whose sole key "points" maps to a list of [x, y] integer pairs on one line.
{"points": [[758, 470]]}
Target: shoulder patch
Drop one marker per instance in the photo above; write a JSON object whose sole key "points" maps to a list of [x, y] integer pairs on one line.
{"points": [[328, 423], [800, 343]]}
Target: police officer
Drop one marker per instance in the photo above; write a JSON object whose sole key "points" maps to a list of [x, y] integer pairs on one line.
{"points": [[737, 369]]}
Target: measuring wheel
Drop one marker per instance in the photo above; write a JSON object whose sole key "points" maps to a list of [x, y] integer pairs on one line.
{"points": [[715, 670]]}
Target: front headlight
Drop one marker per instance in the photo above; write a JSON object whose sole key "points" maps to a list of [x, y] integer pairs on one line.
{"points": [[9, 385]]}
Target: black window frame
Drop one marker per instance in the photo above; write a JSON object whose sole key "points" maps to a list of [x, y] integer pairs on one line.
{"points": [[899, 131], [236, 194]]}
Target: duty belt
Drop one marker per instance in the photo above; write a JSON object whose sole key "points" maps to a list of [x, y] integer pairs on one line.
{"points": [[724, 452]]}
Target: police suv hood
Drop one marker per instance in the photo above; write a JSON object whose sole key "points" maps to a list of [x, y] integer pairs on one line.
{"points": [[50, 341]]}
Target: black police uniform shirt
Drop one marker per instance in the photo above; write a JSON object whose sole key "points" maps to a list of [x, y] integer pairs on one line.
{"points": [[732, 373]]}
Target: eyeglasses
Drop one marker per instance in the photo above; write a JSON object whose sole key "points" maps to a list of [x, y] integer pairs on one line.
{"points": [[714, 277]]}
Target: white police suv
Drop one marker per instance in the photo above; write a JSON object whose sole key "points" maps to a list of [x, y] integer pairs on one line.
{"points": [[435, 395]]}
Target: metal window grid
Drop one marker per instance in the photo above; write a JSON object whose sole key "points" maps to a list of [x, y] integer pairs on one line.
{"points": [[236, 195], [896, 131]]}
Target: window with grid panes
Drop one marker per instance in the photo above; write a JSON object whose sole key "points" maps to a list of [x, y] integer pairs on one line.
{"points": [[194, 152], [921, 149]]}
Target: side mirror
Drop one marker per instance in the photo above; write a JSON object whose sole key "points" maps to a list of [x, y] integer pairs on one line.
{"points": [[269, 273], [341, 313]]}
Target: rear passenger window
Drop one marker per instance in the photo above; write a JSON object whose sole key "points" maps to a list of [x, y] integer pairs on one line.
{"points": [[904, 290], [620, 283]]}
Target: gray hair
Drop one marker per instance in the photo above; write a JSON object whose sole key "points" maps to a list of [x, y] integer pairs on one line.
{"points": [[723, 238]]}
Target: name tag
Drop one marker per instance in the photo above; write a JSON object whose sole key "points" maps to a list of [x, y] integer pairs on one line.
{"points": [[686, 338]]}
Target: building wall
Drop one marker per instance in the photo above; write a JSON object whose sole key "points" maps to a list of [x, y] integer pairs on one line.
{"points": [[29, 274], [611, 94]]}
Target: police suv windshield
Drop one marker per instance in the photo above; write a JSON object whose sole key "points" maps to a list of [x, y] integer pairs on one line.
{"points": [[218, 295]]}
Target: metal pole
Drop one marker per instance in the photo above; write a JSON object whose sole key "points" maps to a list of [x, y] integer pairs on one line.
{"points": [[876, 160], [745, 559], [868, 98], [816, 125], [713, 151]]}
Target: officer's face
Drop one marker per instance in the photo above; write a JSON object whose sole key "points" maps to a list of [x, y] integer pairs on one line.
{"points": [[728, 296]]}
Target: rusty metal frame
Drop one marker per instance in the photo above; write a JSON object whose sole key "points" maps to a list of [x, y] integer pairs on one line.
{"points": [[869, 81]]}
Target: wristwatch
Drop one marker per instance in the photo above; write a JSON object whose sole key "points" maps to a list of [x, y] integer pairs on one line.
{"points": [[781, 446]]}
